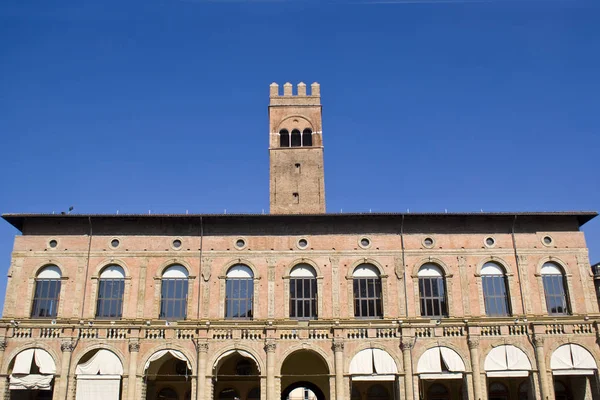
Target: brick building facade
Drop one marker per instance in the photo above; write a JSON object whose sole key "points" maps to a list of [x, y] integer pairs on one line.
{"points": [[347, 306]]}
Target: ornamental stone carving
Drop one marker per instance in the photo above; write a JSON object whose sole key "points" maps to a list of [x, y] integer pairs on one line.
{"points": [[338, 346], [134, 347], [203, 347], [407, 344], [270, 347], [3, 345], [67, 346], [538, 341], [473, 343]]}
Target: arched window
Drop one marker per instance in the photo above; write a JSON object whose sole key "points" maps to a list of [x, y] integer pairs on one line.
{"points": [[47, 293], [239, 292], [367, 292], [284, 138], [296, 138], [174, 292], [432, 291], [303, 292], [307, 138], [495, 293], [111, 286], [554, 289]]}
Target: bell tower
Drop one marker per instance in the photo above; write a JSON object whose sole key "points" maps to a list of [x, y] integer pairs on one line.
{"points": [[296, 150]]}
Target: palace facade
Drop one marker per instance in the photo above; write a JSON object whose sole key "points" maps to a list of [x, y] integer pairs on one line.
{"points": [[298, 303]]}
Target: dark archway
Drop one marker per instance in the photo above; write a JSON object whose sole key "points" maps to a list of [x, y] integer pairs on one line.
{"points": [[315, 389]]}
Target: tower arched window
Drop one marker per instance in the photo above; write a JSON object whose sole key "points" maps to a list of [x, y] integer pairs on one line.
{"points": [[239, 290], [111, 286], [367, 292], [495, 290], [307, 138], [553, 279], [174, 293], [47, 293], [432, 291], [296, 138], [303, 292], [284, 138]]}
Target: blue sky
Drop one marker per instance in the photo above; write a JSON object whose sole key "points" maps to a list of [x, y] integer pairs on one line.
{"points": [[428, 105]]}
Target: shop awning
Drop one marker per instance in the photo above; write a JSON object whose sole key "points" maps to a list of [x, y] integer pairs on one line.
{"points": [[440, 363], [373, 365], [507, 361], [572, 359]]}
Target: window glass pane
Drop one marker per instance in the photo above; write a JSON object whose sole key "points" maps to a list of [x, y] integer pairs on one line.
{"points": [[367, 294]]}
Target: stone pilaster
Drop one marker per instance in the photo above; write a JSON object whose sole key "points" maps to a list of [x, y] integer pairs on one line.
{"points": [[542, 371], [407, 345], [338, 349], [270, 348], [134, 349], [473, 343], [202, 347], [67, 348]]}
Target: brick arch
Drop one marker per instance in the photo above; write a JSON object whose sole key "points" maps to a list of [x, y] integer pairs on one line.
{"points": [[283, 125], [50, 262], [496, 260], [170, 346], [238, 346], [78, 355], [444, 343], [593, 350], [303, 347], [370, 261], [367, 345], [299, 261], [107, 263], [528, 350], [553, 259], [237, 261], [173, 261], [431, 260], [32, 345]]}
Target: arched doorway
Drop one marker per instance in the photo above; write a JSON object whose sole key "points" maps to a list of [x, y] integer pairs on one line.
{"points": [[374, 373], [32, 375], [167, 375], [441, 373], [302, 391], [305, 369], [98, 376], [236, 375], [575, 373]]}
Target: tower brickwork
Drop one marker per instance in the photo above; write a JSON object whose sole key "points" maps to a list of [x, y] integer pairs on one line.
{"points": [[296, 150]]}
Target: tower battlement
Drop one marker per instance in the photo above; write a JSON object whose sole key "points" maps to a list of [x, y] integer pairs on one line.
{"points": [[300, 97]]}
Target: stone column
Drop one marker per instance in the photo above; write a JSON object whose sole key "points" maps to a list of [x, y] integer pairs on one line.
{"points": [[474, 352], [338, 349], [406, 345], [67, 349], [270, 347], [201, 385], [542, 372], [134, 349]]}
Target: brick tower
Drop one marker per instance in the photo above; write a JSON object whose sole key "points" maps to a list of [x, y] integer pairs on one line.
{"points": [[296, 151]]}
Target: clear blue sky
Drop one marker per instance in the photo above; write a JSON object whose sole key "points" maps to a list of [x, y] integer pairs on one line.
{"points": [[162, 104]]}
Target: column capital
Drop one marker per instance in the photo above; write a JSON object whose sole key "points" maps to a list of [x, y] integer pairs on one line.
{"points": [[270, 346], [134, 347], [473, 342], [337, 346], [407, 343], [3, 344], [67, 346], [538, 341], [202, 346]]}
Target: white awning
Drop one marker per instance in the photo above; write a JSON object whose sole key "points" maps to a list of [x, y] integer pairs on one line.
{"points": [[507, 361], [31, 382], [440, 361], [98, 387], [42, 358], [175, 353], [104, 362], [373, 364], [574, 372], [226, 354], [389, 378], [569, 358], [445, 375]]}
